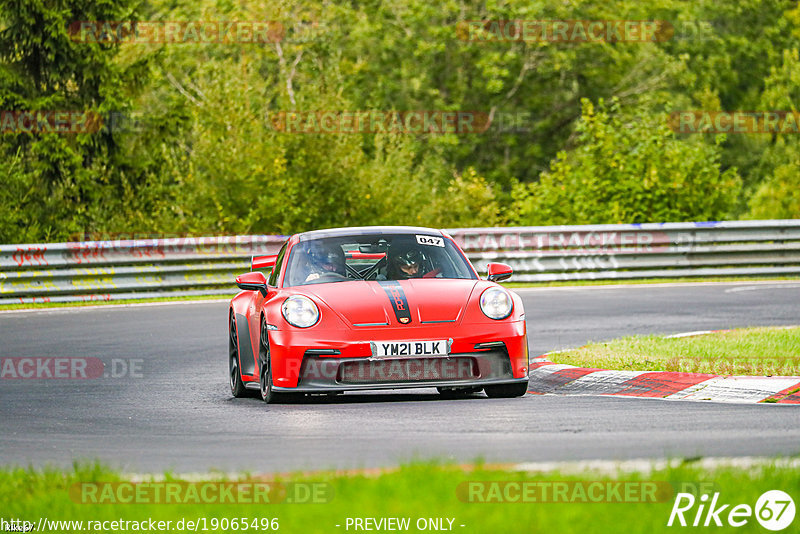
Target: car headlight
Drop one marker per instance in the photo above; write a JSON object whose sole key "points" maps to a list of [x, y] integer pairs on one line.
{"points": [[496, 303], [300, 311]]}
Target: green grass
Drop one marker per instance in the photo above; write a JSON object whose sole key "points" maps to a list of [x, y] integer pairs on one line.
{"points": [[772, 351], [423, 490]]}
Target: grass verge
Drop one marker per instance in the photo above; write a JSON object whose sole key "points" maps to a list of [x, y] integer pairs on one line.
{"points": [[769, 351], [552, 501]]}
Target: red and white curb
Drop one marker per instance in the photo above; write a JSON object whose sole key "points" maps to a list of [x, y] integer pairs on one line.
{"points": [[550, 378]]}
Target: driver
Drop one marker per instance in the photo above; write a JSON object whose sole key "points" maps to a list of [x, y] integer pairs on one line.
{"points": [[322, 259], [405, 263]]}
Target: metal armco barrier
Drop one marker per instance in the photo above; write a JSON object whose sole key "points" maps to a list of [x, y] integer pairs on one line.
{"points": [[128, 269], [145, 268], [630, 251]]}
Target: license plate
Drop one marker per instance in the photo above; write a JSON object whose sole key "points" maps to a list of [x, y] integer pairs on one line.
{"points": [[399, 349]]}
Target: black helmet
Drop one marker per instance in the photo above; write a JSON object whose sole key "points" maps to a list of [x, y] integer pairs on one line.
{"points": [[326, 257], [408, 257], [406, 263]]}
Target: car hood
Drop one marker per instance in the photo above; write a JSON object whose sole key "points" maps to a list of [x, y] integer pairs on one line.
{"points": [[364, 303]]}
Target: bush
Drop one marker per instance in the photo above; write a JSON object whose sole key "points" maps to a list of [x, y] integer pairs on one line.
{"points": [[628, 168]]}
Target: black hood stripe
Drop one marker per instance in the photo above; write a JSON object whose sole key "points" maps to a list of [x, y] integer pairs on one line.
{"points": [[398, 300]]}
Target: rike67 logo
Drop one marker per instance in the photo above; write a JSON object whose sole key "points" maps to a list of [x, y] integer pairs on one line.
{"points": [[774, 510]]}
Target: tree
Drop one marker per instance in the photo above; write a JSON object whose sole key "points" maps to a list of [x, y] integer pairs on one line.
{"points": [[778, 195], [628, 168]]}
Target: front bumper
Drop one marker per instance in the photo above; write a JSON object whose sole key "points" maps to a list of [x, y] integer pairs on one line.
{"points": [[329, 359], [476, 369]]}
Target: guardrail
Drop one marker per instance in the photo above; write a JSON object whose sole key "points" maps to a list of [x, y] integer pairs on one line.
{"points": [[144, 268]]}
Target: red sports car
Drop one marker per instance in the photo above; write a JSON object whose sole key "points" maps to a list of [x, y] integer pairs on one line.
{"points": [[375, 308]]}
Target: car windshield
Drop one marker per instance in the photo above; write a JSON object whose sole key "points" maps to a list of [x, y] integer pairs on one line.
{"points": [[375, 257]]}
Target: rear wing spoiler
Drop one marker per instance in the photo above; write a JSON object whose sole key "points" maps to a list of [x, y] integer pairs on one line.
{"points": [[262, 262]]}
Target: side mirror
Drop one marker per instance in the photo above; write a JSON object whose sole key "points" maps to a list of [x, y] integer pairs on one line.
{"points": [[498, 271], [254, 281]]}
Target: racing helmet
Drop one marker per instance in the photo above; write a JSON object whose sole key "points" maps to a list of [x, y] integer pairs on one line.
{"points": [[325, 257], [406, 263]]}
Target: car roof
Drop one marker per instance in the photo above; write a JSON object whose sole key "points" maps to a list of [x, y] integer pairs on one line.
{"points": [[366, 230]]}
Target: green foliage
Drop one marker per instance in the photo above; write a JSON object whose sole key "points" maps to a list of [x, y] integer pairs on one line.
{"points": [[628, 168], [205, 159], [778, 195], [62, 184]]}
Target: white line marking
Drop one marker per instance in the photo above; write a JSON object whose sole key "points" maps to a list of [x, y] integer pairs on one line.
{"points": [[689, 334], [112, 306], [771, 285]]}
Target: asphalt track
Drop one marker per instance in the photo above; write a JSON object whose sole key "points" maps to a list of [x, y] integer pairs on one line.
{"points": [[176, 412]]}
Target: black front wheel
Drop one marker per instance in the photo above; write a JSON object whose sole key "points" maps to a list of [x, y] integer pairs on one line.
{"points": [[237, 386], [506, 391], [265, 376]]}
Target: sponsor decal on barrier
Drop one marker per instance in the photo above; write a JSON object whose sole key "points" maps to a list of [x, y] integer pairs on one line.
{"points": [[33, 255], [106, 247]]}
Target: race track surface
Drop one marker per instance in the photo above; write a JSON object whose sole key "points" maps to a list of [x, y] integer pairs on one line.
{"points": [[176, 411]]}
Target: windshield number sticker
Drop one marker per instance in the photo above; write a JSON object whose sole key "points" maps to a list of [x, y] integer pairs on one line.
{"points": [[430, 240]]}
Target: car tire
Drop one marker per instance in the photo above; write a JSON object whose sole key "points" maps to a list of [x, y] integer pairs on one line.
{"points": [[265, 365], [234, 372], [506, 391]]}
